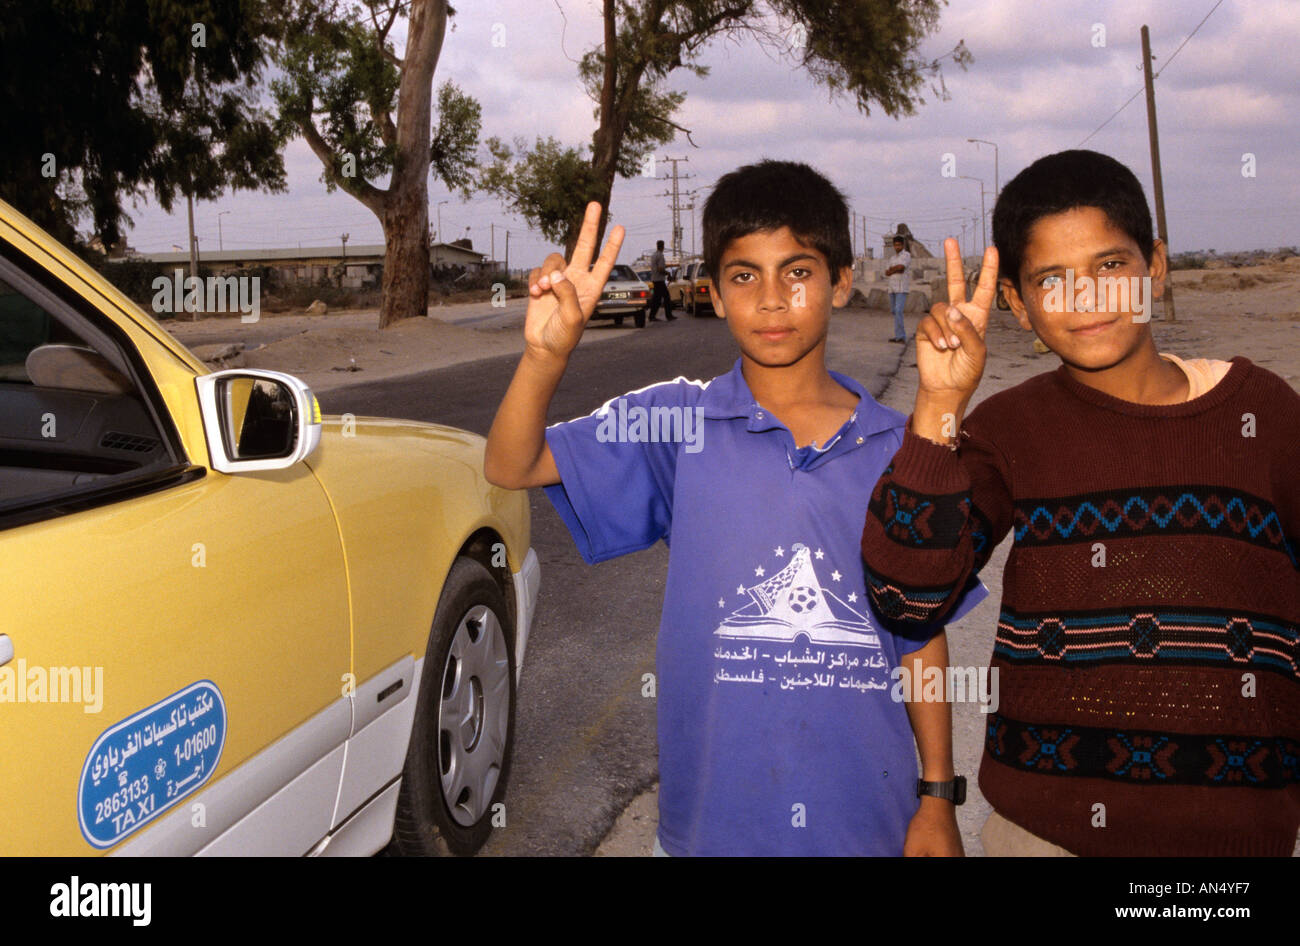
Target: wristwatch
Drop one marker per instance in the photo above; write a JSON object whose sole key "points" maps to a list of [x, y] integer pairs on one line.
{"points": [[954, 791]]}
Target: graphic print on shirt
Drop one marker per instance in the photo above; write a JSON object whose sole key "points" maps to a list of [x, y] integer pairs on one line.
{"points": [[799, 633]]}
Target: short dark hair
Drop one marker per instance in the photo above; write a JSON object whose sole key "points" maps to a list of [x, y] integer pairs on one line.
{"points": [[770, 195], [1060, 182], [659, 244]]}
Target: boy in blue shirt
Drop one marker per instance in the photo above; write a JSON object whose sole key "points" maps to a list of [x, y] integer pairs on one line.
{"points": [[778, 728]]}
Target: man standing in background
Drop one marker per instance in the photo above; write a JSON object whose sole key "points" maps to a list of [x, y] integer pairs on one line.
{"points": [[659, 280], [900, 278]]}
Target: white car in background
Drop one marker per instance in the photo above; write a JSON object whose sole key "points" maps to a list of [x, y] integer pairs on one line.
{"points": [[624, 294]]}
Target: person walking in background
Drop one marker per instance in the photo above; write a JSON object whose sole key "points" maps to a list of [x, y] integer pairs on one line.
{"points": [[659, 279], [900, 278]]}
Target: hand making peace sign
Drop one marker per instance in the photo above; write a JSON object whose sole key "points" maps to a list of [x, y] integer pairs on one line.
{"points": [[950, 348], [562, 296]]}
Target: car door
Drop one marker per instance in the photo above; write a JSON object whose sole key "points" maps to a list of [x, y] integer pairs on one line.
{"points": [[174, 642]]}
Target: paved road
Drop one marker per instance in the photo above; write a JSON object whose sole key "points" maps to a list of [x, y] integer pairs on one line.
{"points": [[585, 738]]}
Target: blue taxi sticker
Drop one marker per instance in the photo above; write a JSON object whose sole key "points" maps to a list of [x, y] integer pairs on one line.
{"points": [[142, 766]]}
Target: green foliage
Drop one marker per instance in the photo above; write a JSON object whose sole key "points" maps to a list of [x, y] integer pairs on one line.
{"points": [[339, 86], [138, 97], [542, 184], [867, 49], [864, 49], [453, 151], [340, 72], [1188, 261]]}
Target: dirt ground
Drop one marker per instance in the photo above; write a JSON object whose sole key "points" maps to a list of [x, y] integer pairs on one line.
{"points": [[347, 346]]}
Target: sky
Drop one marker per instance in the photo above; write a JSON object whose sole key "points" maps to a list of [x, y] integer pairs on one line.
{"points": [[1047, 75]]}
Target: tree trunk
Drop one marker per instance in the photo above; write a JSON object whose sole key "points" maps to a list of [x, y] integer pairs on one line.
{"points": [[406, 258], [406, 204], [604, 151]]}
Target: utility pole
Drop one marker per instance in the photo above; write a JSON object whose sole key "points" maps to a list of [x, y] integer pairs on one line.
{"points": [[984, 234], [194, 256], [492, 228], [691, 208], [677, 206], [1161, 229], [853, 235], [507, 254], [438, 232], [221, 239]]}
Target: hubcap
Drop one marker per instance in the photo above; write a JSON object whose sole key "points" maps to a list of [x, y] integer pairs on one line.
{"points": [[473, 715]]}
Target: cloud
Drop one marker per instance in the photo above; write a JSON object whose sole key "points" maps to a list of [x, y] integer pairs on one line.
{"points": [[1041, 81]]}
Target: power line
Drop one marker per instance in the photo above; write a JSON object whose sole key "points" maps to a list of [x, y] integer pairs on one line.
{"points": [[1184, 42], [1157, 75]]}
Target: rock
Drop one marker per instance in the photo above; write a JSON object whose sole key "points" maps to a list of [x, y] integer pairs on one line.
{"points": [[317, 308], [228, 355]]}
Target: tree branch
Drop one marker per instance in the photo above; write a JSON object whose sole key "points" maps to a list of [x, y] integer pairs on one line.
{"points": [[381, 35], [372, 197], [684, 130]]}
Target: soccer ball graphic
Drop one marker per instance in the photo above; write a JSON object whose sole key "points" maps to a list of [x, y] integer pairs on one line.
{"points": [[803, 599]]}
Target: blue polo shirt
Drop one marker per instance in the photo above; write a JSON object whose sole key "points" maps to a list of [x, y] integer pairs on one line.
{"points": [[778, 730]]}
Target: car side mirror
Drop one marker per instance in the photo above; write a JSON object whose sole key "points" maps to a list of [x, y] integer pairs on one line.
{"points": [[257, 420]]}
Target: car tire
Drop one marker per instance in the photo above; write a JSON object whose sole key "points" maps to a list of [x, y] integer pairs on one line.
{"points": [[466, 706], [618, 321]]}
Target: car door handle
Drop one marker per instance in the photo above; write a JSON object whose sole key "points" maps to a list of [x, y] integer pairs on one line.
{"points": [[6, 649]]}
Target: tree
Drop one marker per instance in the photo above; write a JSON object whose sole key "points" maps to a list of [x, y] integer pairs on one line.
{"points": [[863, 49], [101, 100], [343, 84]]}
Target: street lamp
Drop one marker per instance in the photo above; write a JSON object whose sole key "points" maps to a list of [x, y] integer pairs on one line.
{"points": [[997, 189], [984, 236], [221, 240], [438, 232]]}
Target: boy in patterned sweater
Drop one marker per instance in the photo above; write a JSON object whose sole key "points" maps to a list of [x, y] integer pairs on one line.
{"points": [[1147, 644]]}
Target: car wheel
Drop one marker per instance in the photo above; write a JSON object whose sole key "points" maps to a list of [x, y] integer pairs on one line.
{"points": [[461, 740], [618, 321]]}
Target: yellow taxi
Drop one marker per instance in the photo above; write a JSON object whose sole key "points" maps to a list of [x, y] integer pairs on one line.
{"points": [[690, 290], [233, 626]]}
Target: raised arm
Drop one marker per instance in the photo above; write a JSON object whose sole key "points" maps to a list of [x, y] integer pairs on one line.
{"points": [[561, 298], [943, 503], [950, 350]]}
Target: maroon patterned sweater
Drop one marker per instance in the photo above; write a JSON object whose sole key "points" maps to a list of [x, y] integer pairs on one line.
{"points": [[1148, 645]]}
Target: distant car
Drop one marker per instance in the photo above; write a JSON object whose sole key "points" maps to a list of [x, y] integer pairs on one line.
{"points": [[644, 276], [691, 289], [624, 294]]}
